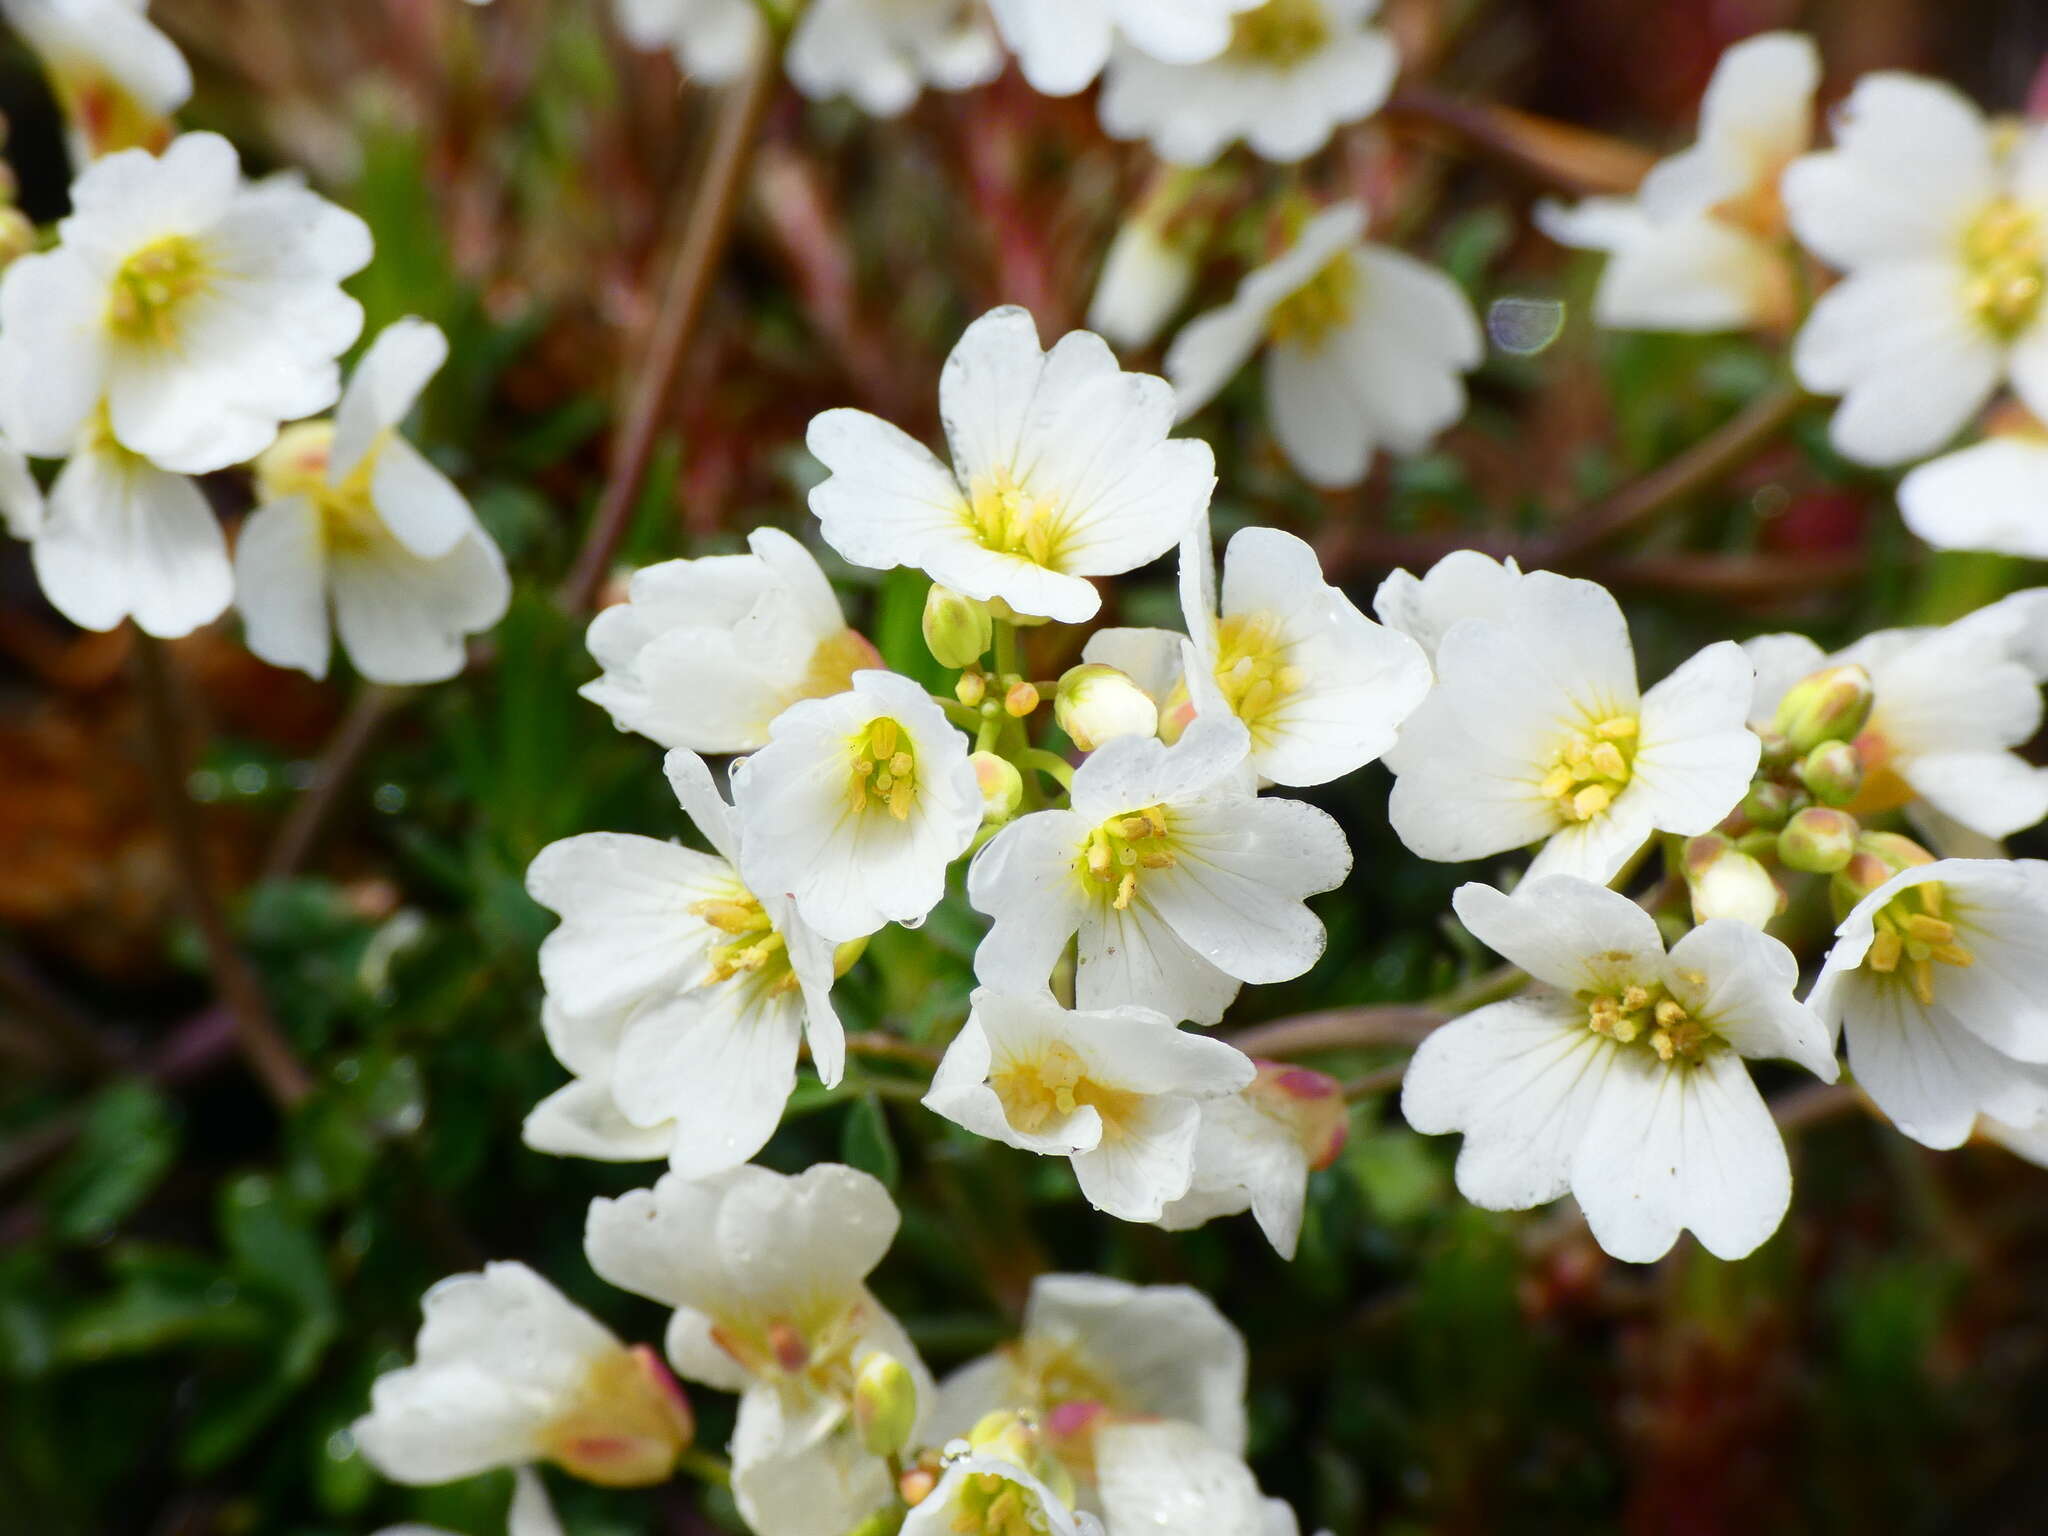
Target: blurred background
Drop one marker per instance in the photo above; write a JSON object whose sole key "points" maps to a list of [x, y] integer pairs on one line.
{"points": [[197, 1284]]}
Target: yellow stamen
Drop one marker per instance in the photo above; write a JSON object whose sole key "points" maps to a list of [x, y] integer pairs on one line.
{"points": [[881, 769], [1280, 33], [1008, 519], [153, 286], [1121, 847], [2007, 260], [1591, 767], [1318, 309]]}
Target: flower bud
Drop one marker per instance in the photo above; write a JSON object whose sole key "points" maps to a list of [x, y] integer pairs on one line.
{"points": [[884, 1404], [1831, 705], [1145, 278], [629, 1424], [1095, 704], [1002, 786], [1726, 882], [1310, 1103], [957, 629], [1767, 804], [1777, 752], [1878, 856], [1832, 773], [1021, 700], [971, 689], [1818, 840]]}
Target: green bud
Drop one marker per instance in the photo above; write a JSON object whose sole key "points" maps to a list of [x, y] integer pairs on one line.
{"points": [[957, 629], [1002, 786], [1818, 840], [1760, 844], [884, 1404], [1878, 857], [883, 1522], [1832, 773], [1767, 805], [1831, 705], [1777, 752]]}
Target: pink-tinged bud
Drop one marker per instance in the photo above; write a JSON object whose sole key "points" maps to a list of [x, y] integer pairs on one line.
{"points": [[916, 1485], [1310, 1103], [1002, 786], [1818, 840], [1831, 705], [1878, 857], [1777, 752], [1097, 703], [1832, 773], [630, 1423], [1767, 805], [1021, 700], [1726, 882]]}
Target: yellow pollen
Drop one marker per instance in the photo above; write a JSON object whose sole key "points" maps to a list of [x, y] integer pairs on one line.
{"points": [[1323, 305], [2006, 257], [1280, 33], [1912, 937], [1036, 1090], [1591, 768], [1253, 671], [153, 286], [882, 771], [1649, 1017], [296, 465], [752, 947], [1122, 848], [1008, 519]]}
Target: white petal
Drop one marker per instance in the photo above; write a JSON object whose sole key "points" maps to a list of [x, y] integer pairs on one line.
{"points": [[717, 1065], [627, 929], [124, 539], [281, 585], [389, 380], [1170, 1478], [1740, 981], [1696, 753], [1993, 496]]}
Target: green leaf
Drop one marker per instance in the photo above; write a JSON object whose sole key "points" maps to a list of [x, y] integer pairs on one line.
{"points": [[866, 1143], [124, 1149]]}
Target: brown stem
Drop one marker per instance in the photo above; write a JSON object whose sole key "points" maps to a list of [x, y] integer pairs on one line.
{"points": [[1707, 461], [1374, 1083], [1814, 1103], [885, 1047], [1571, 159], [1339, 1029], [269, 1056], [343, 755], [703, 242]]}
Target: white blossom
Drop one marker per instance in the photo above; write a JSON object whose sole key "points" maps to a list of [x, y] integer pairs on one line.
{"points": [[712, 40], [1116, 1091], [883, 52], [717, 985], [981, 1494], [1062, 470], [582, 1118], [197, 310], [1622, 1080], [1365, 348], [1180, 881], [1464, 584], [1146, 277], [1939, 980], [509, 1371], [1062, 46], [857, 806], [117, 77], [1992, 495], [1255, 1150], [1936, 217], [1535, 732], [1167, 1478], [350, 514], [1293, 73], [1702, 244]]}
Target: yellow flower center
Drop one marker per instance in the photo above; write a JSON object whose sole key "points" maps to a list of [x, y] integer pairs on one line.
{"points": [[296, 465], [813, 1349], [2007, 260], [1253, 671], [1316, 310], [1051, 1370], [153, 286], [751, 947], [989, 1504], [883, 770], [1280, 33], [1591, 768], [1913, 936], [1037, 1090], [1650, 1017], [1122, 848], [627, 1425], [1008, 519]]}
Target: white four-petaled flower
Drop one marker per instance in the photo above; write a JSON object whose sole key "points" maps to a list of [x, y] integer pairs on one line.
{"points": [[117, 77]]}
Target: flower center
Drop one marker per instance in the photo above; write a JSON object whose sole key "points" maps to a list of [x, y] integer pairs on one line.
{"points": [[993, 1505], [1280, 33], [884, 769], [296, 465], [2007, 261], [1051, 1370], [1651, 1017], [1252, 669], [1591, 768], [813, 1350], [627, 1425], [1037, 1090], [989, 1504], [1913, 936], [751, 947], [1008, 519], [1319, 307], [152, 286], [1123, 846]]}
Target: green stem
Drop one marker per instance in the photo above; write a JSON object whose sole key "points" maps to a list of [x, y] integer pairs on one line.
{"points": [[705, 1467], [1006, 649], [967, 719], [1048, 763]]}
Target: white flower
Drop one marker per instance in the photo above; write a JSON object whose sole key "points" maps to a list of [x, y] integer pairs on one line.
{"points": [[712, 40], [1145, 277], [1364, 348], [1062, 470], [2027, 1141], [123, 539], [720, 984], [1180, 881], [582, 1118], [1940, 221], [1117, 1091], [530, 1515], [882, 52], [1950, 706], [1623, 1081], [1536, 732], [704, 653], [1096, 703], [857, 806], [1167, 1478], [1294, 72], [118, 78], [510, 1371], [989, 1495], [201, 309], [1463, 585], [1093, 1345], [22, 507], [767, 1273], [351, 514], [1701, 247], [1255, 1150], [1061, 47], [1992, 495], [1939, 979], [1321, 688]]}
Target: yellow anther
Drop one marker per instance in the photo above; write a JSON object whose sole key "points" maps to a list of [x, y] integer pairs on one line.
{"points": [[1668, 1013], [1590, 768], [1124, 845], [1006, 518], [882, 769], [1647, 1013], [1886, 948], [153, 286], [1932, 930], [1590, 801], [1126, 888], [2006, 258], [753, 950], [1324, 305]]}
